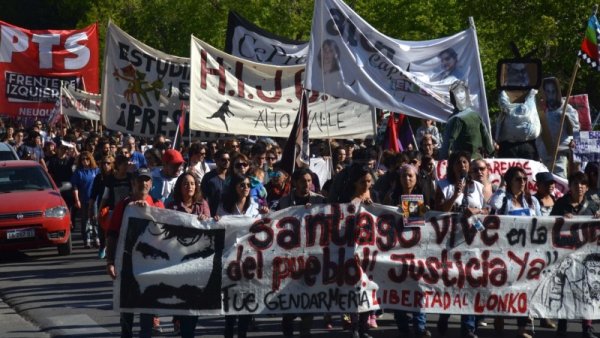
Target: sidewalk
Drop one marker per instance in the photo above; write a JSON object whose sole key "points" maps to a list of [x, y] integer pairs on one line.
{"points": [[14, 326]]}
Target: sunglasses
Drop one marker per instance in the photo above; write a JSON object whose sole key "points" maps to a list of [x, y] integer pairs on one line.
{"points": [[271, 158], [241, 164], [244, 185], [235, 145]]}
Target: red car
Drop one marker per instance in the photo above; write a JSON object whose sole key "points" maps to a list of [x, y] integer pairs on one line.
{"points": [[32, 212]]}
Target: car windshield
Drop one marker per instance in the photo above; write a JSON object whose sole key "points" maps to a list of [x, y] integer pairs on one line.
{"points": [[25, 178]]}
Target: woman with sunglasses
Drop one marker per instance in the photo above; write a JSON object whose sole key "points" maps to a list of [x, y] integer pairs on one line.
{"points": [[515, 199], [187, 197], [94, 208], [236, 200], [197, 160], [82, 181]]}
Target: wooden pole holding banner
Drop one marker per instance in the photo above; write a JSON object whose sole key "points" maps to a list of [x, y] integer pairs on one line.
{"points": [[564, 110], [563, 115]]}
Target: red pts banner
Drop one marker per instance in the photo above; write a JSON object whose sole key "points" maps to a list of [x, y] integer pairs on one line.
{"points": [[33, 63]]}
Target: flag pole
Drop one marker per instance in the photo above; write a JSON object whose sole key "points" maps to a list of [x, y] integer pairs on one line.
{"points": [[564, 109]]}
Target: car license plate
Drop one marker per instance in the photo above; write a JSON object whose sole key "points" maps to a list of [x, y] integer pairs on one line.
{"points": [[20, 233]]}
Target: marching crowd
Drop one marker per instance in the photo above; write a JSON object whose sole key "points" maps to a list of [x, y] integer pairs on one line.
{"points": [[243, 176]]}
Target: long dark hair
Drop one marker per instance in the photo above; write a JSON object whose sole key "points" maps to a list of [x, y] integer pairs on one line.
{"points": [[230, 196], [509, 175], [177, 189], [452, 161]]}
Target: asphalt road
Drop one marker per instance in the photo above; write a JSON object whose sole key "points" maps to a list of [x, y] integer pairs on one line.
{"points": [[46, 295]]}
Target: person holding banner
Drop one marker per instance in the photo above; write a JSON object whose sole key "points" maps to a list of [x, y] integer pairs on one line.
{"points": [[407, 184], [515, 200], [300, 195], [236, 200], [361, 179], [459, 193], [140, 196], [187, 198], [575, 203]]}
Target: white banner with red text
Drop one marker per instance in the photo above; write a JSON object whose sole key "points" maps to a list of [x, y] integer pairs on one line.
{"points": [[348, 258], [237, 96]]}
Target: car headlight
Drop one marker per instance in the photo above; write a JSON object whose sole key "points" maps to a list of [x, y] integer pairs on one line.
{"points": [[56, 212]]}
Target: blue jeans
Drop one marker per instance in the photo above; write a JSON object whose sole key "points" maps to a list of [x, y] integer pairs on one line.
{"points": [[467, 322], [419, 321]]}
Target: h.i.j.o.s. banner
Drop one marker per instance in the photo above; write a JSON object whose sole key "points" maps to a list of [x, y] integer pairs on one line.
{"points": [[237, 96], [355, 258]]}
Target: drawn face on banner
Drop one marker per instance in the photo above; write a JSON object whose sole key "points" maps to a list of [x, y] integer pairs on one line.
{"points": [[165, 260], [592, 275], [459, 94], [516, 75]]}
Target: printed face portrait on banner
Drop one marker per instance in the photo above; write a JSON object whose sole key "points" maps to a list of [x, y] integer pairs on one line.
{"points": [[164, 262], [329, 55]]}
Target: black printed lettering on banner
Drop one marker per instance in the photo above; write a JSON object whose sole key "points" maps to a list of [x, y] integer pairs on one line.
{"points": [[239, 302], [577, 236], [538, 235], [164, 69], [323, 300]]}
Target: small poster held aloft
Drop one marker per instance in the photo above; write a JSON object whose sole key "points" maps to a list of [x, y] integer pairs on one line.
{"points": [[413, 209]]}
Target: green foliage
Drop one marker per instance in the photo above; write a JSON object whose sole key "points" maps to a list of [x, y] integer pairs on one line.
{"points": [[553, 28]]}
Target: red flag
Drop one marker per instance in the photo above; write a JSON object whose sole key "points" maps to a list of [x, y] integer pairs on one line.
{"points": [[182, 119], [393, 143]]}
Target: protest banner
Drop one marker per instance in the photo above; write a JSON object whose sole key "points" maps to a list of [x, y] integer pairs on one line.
{"points": [[498, 166], [582, 105], [236, 96], [587, 146], [80, 104], [349, 258], [34, 63], [248, 41], [350, 59], [143, 88]]}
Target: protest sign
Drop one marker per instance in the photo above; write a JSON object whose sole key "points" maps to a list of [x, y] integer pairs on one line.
{"points": [[80, 104], [349, 58], [34, 63], [143, 88], [236, 96], [349, 258], [587, 146], [248, 41], [498, 166]]}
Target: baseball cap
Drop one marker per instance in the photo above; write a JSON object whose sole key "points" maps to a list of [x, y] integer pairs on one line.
{"points": [[544, 177], [172, 156], [142, 172]]}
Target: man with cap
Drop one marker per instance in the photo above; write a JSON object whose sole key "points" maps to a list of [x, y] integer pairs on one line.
{"points": [[164, 180], [544, 181], [142, 182]]}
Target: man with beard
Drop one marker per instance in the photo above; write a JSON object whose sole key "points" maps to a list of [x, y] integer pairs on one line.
{"points": [[140, 196], [588, 295], [552, 130]]}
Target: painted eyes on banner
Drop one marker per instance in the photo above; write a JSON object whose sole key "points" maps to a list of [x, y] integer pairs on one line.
{"points": [[149, 251], [185, 236]]}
